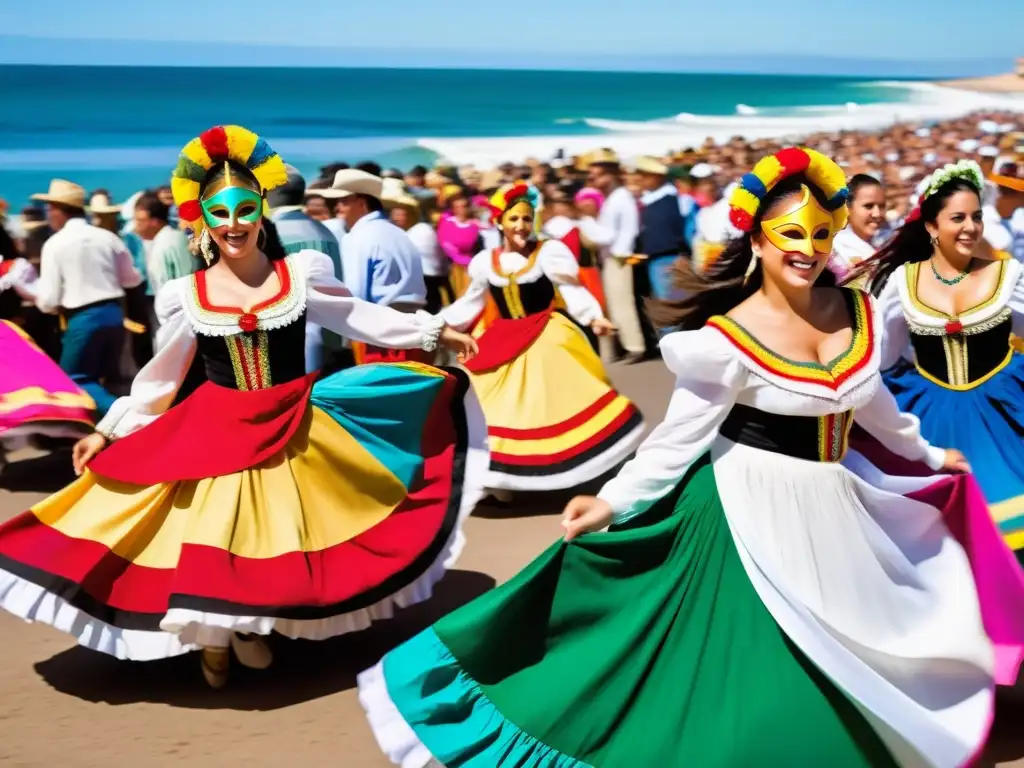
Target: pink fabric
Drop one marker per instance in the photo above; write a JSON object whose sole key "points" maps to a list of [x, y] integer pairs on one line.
{"points": [[589, 193], [33, 388], [998, 576], [460, 242]]}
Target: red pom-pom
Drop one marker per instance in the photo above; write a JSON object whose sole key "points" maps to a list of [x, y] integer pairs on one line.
{"points": [[914, 215], [740, 219], [215, 142], [248, 322], [793, 160], [954, 327], [519, 190], [190, 210]]}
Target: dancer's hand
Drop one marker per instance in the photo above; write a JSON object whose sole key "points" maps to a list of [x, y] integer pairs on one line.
{"points": [[955, 462], [602, 327], [86, 449], [585, 514], [462, 344]]}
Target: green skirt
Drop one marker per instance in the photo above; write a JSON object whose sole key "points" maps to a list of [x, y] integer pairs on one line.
{"points": [[643, 646]]}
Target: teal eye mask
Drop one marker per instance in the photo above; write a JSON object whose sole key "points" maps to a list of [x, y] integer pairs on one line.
{"points": [[232, 205]]}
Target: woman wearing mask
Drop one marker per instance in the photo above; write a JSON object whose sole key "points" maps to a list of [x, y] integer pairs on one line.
{"points": [[948, 315], [761, 598], [267, 501]]}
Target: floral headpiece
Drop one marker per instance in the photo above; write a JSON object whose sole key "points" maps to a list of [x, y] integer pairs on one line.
{"points": [[820, 170], [965, 170], [509, 195], [218, 145]]}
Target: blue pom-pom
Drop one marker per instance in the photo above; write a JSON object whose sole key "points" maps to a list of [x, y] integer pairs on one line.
{"points": [[753, 185], [259, 155], [838, 199]]}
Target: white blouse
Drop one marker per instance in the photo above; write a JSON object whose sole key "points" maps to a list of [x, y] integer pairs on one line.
{"points": [[554, 261], [314, 290], [721, 365], [21, 277], [903, 313]]}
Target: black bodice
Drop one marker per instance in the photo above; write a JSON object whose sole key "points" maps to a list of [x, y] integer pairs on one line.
{"points": [[812, 438], [963, 358], [10, 305], [517, 300], [256, 360]]}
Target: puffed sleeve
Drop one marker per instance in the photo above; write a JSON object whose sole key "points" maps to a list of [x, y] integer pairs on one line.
{"points": [[898, 431], [331, 305], [23, 278], [1017, 299], [464, 311], [562, 269], [708, 379], [892, 323], [156, 385]]}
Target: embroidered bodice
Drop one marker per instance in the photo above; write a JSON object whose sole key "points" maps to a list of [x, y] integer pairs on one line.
{"points": [[730, 386], [524, 285], [955, 352], [260, 347], [515, 299], [253, 349]]}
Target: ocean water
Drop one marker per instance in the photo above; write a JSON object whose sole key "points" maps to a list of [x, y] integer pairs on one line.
{"points": [[121, 127]]}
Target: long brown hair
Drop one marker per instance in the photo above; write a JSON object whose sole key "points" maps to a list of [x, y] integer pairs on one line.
{"points": [[723, 285]]}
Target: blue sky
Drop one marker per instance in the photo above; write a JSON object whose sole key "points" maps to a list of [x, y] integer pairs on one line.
{"points": [[480, 33]]}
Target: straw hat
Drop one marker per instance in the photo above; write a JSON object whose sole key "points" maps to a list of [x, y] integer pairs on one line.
{"points": [[650, 166], [63, 192], [100, 205], [603, 156], [352, 181], [394, 195], [490, 180]]}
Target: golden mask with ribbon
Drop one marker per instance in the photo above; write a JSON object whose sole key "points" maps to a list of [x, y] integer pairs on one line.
{"points": [[805, 228]]}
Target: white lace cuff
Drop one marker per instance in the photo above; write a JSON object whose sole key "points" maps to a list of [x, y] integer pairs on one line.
{"points": [[432, 327]]}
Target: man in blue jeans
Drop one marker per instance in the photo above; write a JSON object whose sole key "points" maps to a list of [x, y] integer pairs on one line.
{"points": [[83, 273]]}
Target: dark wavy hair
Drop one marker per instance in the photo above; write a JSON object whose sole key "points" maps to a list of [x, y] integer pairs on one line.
{"points": [[911, 242], [723, 285], [272, 246]]}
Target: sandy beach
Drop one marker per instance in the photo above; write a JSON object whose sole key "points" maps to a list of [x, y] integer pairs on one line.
{"points": [[1006, 83]]}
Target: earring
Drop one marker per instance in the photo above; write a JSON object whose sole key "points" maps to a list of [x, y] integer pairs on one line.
{"points": [[755, 254], [206, 247]]}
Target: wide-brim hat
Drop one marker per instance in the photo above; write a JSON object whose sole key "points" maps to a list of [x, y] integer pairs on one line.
{"points": [[650, 166], [1008, 182], [394, 195], [64, 193], [101, 205], [352, 181], [602, 156]]}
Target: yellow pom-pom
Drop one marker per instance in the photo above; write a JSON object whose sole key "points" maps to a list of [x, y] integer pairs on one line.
{"points": [[184, 189], [768, 169], [195, 152], [272, 173], [745, 201], [824, 172], [240, 142], [840, 217]]}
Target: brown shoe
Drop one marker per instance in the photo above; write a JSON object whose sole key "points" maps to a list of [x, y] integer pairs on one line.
{"points": [[215, 663]]}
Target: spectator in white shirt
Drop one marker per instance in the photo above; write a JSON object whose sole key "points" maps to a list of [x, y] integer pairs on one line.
{"points": [[84, 271], [620, 214], [404, 211]]}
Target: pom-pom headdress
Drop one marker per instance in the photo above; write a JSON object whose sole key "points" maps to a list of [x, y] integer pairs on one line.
{"points": [[218, 145], [820, 170], [509, 195]]}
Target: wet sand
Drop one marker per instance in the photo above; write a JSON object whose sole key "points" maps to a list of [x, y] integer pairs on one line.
{"points": [[64, 705], [1008, 83]]}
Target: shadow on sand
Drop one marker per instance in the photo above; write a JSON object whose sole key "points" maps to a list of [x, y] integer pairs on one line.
{"points": [[537, 503], [302, 670]]}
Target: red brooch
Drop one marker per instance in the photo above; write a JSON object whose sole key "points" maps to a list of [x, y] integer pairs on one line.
{"points": [[954, 327], [248, 322]]}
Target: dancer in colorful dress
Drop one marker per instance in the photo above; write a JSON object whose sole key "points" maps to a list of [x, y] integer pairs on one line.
{"points": [[553, 417], [764, 596], [263, 502], [948, 318], [36, 397]]}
